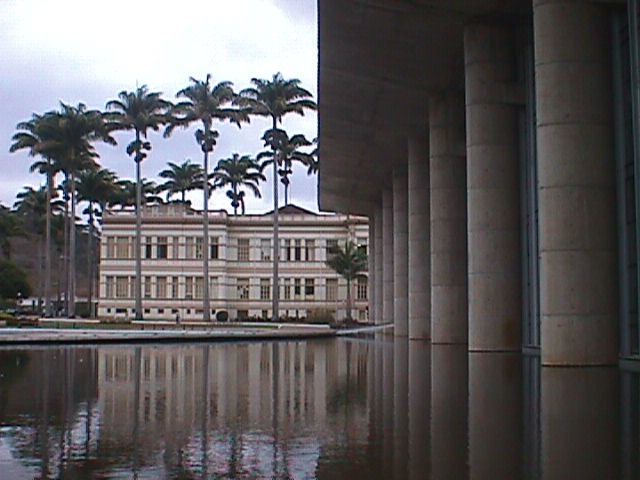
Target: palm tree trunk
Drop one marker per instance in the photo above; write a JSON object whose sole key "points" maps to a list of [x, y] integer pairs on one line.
{"points": [[235, 199], [47, 247], [65, 248], [275, 304], [90, 261], [72, 250], [206, 308], [349, 300], [138, 291]]}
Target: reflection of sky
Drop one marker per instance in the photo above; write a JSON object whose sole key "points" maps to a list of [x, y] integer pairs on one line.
{"points": [[12, 468]]}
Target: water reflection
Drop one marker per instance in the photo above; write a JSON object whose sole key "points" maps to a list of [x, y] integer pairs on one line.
{"points": [[368, 408]]}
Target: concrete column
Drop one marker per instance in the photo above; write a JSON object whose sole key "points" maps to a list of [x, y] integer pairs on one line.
{"points": [[419, 271], [400, 253], [580, 423], [495, 415], [448, 187], [378, 264], [371, 280], [493, 189], [387, 256], [576, 168]]}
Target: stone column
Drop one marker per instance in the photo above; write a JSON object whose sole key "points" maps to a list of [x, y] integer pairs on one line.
{"points": [[493, 189], [378, 264], [576, 165], [419, 272], [448, 186], [400, 252], [387, 256], [371, 280]]}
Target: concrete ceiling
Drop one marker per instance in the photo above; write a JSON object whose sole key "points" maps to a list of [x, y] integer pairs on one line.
{"points": [[378, 62]]}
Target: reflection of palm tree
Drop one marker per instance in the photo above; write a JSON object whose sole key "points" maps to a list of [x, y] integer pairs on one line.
{"points": [[181, 179], [205, 103], [139, 111], [238, 172], [275, 98]]}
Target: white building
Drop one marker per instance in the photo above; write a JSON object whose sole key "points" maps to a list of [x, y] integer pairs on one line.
{"points": [[240, 265]]}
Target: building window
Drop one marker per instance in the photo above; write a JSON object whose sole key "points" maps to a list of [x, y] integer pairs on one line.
{"points": [[199, 282], [265, 249], [287, 250], [243, 288], [147, 247], [174, 287], [287, 289], [310, 250], [122, 247], [213, 287], [199, 248], [243, 314], [243, 249], [132, 287], [147, 287], [297, 287], [122, 287], [188, 288], [332, 245], [362, 245], [162, 248], [213, 249], [265, 289], [361, 288], [109, 287], [189, 248], [297, 250], [309, 287], [111, 245], [161, 287], [175, 247], [332, 289]]}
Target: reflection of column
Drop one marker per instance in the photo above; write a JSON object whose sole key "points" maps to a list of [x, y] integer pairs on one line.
{"points": [[577, 198], [419, 272], [495, 415], [447, 158], [419, 408], [493, 188], [449, 412], [400, 252], [580, 423], [319, 383], [253, 394], [387, 257], [387, 407], [400, 407]]}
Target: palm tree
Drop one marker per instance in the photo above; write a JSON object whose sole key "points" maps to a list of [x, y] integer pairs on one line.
{"points": [[289, 152], [205, 103], [94, 187], [33, 206], [36, 135], [10, 226], [348, 262], [238, 172], [77, 129], [275, 98], [139, 111], [181, 179], [125, 193]]}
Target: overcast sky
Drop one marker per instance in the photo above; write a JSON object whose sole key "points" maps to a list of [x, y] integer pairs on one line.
{"points": [[89, 50]]}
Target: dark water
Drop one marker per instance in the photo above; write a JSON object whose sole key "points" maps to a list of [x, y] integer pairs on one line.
{"points": [[352, 409]]}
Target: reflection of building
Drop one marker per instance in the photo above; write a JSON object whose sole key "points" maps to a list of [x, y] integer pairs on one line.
{"points": [[506, 188], [240, 263]]}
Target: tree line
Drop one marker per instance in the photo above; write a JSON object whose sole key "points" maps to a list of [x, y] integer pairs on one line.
{"points": [[64, 141]]}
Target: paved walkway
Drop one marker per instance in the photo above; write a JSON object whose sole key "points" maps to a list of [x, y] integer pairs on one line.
{"points": [[29, 336]]}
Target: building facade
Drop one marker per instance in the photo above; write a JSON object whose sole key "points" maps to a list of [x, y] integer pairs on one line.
{"points": [[506, 193], [240, 264]]}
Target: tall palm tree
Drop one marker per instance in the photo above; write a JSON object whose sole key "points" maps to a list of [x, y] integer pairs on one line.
{"points": [[36, 135], [348, 262], [181, 179], [203, 103], [289, 152], [275, 98], [238, 172], [139, 111], [94, 187], [32, 206], [125, 193], [77, 129]]}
